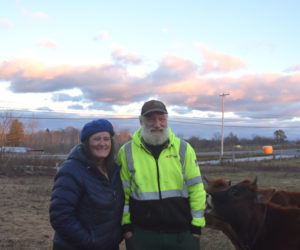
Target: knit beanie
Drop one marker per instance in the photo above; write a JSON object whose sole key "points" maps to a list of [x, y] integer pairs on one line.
{"points": [[96, 126]]}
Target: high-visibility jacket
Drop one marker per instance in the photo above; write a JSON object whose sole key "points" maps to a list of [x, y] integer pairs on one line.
{"points": [[164, 194]]}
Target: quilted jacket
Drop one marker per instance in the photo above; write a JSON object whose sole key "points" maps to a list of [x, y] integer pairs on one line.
{"points": [[86, 207]]}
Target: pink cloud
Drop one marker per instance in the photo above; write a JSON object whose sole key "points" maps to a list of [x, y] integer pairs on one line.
{"points": [[295, 78], [101, 36], [47, 43], [37, 14], [5, 23], [40, 15], [125, 56], [217, 62], [176, 80], [178, 64]]}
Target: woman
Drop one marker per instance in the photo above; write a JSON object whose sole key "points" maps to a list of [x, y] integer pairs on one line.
{"points": [[87, 198]]}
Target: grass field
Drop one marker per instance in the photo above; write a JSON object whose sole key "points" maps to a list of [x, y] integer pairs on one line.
{"points": [[25, 195]]}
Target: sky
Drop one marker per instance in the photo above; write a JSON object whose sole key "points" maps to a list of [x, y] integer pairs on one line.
{"points": [[103, 59]]}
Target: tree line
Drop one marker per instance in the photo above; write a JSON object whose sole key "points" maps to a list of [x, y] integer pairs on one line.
{"points": [[14, 133], [232, 142]]}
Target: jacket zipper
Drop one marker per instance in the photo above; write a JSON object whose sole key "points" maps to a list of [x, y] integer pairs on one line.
{"points": [[158, 182], [157, 169]]}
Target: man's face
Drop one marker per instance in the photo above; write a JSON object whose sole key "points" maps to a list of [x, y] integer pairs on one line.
{"points": [[156, 123], [155, 128]]}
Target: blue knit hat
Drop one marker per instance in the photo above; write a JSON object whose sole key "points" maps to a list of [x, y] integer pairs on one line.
{"points": [[96, 126]]}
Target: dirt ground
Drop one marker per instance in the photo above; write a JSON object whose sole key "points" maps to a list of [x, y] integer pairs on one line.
{"points": [[24, 217], [24, 220]]}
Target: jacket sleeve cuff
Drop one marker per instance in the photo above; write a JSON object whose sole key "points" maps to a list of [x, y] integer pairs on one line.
{"points": [[127, 228], [195, 230]]}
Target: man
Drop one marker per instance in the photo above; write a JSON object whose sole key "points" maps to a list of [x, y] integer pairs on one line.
{"points": [[164, 193]]}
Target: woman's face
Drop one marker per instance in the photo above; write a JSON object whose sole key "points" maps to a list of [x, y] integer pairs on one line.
{"points": [[100, 145]]}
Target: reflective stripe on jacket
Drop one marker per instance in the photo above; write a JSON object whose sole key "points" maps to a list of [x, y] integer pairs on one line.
{"points": [[174, 176]]}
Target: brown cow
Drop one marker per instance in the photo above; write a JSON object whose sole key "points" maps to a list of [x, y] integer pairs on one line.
{"points": [[259, 226], [280, 197], [215, 185], [286, 198]]}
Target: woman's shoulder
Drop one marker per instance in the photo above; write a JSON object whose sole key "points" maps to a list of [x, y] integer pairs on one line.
{"points": [[71, 167]]}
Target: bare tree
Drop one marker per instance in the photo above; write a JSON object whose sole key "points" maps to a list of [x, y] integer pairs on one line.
{"points": [[5, 123], [121, 138], [30, 129], [279, 136], [231, 140]]}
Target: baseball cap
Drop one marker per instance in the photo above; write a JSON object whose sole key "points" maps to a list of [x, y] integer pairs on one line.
{"points": [[153, 106]]}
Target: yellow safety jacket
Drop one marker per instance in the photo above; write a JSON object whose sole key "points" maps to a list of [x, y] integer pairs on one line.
{"points": [[165, 193]]}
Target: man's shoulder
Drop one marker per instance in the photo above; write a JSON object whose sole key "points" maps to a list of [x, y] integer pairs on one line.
{"points": [[122, 148]]}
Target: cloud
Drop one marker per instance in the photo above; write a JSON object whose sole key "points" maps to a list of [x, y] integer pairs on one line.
{"points": [[76, 107], [37, 14], [101, 36], [217, 62], [100, 106], [122, 55], [176, 81], [293, 69], [62, 97], [47, 43], [4, 23], [173, 69], [44, 109]]}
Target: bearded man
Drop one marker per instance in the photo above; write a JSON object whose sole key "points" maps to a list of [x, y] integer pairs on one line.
{"points": [[164, 193]]}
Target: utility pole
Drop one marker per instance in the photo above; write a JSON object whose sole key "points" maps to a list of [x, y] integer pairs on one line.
{"points": [[222, 140]]}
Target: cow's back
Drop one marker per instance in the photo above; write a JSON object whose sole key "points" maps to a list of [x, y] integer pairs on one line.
{"points": [[286, 198], [280, 230]]}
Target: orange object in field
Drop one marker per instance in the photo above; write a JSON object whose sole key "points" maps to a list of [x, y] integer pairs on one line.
{"points": [[268, 149]]}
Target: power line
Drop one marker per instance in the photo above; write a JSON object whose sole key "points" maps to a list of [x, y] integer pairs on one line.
{"points": [[136, 118], [262, 116]]}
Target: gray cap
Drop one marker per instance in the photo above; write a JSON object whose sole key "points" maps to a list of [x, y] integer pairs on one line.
{"points": [[153, 106]]}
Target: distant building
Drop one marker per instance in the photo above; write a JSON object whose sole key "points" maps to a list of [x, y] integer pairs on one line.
{"points": [[20, 150]]}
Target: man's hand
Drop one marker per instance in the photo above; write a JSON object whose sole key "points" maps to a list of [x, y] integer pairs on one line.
{"points": [[128, 235], [197, 236]]}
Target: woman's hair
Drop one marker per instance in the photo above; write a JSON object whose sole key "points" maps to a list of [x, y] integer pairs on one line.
{"points": [[109, 160]]}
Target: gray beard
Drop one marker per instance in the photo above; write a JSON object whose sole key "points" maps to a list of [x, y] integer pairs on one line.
{"points": [[154, 139]]}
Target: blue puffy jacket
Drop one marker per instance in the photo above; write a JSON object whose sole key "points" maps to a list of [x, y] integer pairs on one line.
{"points": [[86, 208]]}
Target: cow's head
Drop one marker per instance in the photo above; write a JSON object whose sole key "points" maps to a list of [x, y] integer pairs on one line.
{"points": [[233, 202], [216, 185]]}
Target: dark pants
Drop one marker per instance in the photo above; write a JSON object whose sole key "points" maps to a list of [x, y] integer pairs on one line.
{"points": [[149, 240], [57, 247]]}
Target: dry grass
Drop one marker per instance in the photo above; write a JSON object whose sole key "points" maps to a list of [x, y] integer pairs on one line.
{"points": [[24, 217]]}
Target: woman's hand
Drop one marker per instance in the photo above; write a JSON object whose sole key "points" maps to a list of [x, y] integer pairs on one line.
{"points": [[128, 235], [197, 236]]}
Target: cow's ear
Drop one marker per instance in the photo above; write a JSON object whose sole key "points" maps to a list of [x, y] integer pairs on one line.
{"points": [[254, 183]]}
